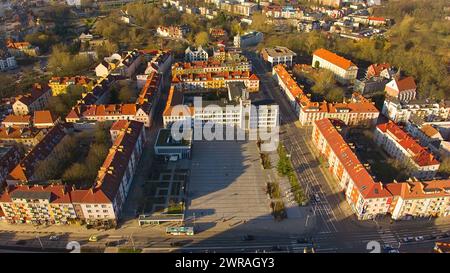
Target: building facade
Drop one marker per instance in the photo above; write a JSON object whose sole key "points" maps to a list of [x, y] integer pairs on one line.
{"points": [[368, 198], [344, 70], [400, 145]]}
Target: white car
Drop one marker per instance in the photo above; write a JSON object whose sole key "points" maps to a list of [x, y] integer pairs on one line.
{"points": [[419, 238], [54, 238]]}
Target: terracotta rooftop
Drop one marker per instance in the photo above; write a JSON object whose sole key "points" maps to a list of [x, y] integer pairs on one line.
{"points": [[44, 117], [366, 185], [25, 169], [418, 153], [333, 58], [17, 119]]}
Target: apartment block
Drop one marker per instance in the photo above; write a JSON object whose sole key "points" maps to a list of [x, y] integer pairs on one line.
{"points": [[358, 112], [344, 70], [400, 145], [37, 99], [102, 203], [214, 80], [369, 198], [278, 55]]}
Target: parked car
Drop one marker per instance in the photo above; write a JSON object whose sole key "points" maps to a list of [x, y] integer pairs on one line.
{"points": [[419, 238], [408, 239], [93, 238], [54, 238]]}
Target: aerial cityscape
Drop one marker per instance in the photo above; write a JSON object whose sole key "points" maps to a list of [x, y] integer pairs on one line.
{"points": [[225, 126]]}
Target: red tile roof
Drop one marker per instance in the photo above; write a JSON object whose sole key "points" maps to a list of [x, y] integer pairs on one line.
{"points": [[25, 169], [333, 58], [43, 117], [357, 172], [116, 163], [406, 83], [17, 119], [374, 70], [366, 185], [418, 153]]}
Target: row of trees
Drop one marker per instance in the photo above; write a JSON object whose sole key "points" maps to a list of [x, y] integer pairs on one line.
{"points": [[325, 86], [62, 63], [84, 172], [77, 158], [63, 103]]}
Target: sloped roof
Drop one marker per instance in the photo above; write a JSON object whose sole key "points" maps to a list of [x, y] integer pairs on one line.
{"points": [[334, 58]]}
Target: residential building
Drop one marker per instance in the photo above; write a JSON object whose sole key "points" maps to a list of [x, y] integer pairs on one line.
{"points": [[368, 198], [428, 110], [7, 62], [248, 39], [27, 136], [358, 112], [59, 85], [196, 54], [9, 158], [44, 119], [173, 149], [218, 33], [377, 76], [24, 171], [403, 147], [212, 66], [37, 99], [235, 7], [59, 204], [236, 109], [216, 80], [278, 55], [17, 121], [176, 32], [403, 89], [330, 3], [19, 49], [86, 115], [123, 65], [344, 70]]}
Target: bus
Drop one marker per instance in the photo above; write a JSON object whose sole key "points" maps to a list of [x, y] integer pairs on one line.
{"points": [[180, 231]]}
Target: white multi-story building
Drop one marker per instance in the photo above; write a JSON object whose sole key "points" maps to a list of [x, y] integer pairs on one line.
{"points": [[403, 89], [399, 111], [344, 70], [7, 63], [193, 55], [278, 55], [400, 145], [248, 39], [236, 111]]}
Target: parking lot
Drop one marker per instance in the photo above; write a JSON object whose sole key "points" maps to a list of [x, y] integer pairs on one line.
{"points": [[227, 182]]}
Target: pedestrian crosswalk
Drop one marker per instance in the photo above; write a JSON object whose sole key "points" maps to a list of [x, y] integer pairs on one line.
{"points": [[388, 237]]}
